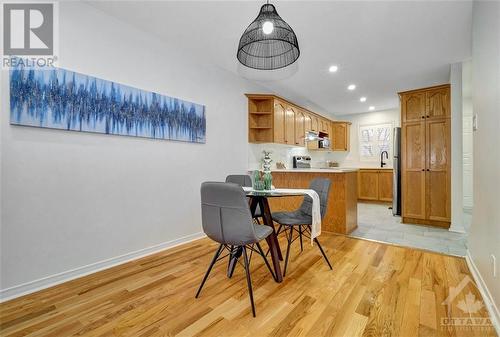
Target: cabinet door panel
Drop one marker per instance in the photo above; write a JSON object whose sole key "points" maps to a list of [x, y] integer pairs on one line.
{"points": [[438, 103], [279, 123], [414, 195], [438, 169], [413, 107], [290, 126], [368, 185], [339, 137], [307, 122], [314, 123], [299, 128], [413, 171], [414, 146], [385, 185]]}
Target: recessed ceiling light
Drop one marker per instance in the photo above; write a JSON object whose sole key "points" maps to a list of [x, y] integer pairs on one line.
{"points": [[351, 87], [371, 108], [333, 69], [362, 99]]}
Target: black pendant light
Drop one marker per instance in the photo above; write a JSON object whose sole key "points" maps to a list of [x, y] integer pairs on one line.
{"points": [[269, 42]]}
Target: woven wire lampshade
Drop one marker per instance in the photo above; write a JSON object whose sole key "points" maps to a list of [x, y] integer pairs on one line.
{"points": [[269, 42]]}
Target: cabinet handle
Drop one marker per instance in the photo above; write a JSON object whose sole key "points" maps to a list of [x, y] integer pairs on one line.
{"points": [[423, 117], [423, 169], [428, 116], [428, 169]]}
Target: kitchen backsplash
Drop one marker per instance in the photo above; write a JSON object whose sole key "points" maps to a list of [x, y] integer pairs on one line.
{"points": [[284, 154]]}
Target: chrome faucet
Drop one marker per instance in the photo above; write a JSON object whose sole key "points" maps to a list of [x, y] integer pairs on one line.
{"points": [[382, 163]]}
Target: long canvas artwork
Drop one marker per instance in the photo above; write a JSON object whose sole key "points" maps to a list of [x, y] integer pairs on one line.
{"points": [[62, 99]]}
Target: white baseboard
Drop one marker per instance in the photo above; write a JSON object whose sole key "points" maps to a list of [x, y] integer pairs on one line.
{"points": [[52, 280], [485, 293]]}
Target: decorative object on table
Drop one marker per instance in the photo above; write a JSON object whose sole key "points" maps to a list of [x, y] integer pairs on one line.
{"points": [[63, 99], [280, 165], [268, 43], [268, 181], [266, 165], [266, 161], [258, 182]]}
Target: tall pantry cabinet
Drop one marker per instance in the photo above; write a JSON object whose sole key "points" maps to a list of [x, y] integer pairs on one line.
{"points": [[426, 156]]}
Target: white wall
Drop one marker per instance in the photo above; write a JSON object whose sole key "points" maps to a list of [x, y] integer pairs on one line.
{"points": [[484, 236], [352, 159], [457, 223], [72, 199], [467, 141]]}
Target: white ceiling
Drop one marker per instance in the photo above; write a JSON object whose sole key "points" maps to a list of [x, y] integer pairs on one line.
{"points": [[381, 46]]}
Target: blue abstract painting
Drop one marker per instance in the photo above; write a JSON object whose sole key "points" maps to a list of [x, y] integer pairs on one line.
{"points": [[62, 99]]}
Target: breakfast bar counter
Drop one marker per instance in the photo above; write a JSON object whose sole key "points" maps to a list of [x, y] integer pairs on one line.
{"points": [[342, 211]]}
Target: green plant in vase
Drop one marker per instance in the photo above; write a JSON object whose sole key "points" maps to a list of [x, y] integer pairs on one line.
{"points": [[258, 182]]}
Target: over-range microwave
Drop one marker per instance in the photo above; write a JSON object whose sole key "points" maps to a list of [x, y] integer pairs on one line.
{"points": [[317, 140]]}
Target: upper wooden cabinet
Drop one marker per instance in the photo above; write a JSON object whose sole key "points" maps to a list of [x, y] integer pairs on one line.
{"points": [[299, 128], [438, 103], [413, 107], [340, 135], [307, 122], [426, 151], [272, 119], [290, 125], [426, 103], [279, 122]]}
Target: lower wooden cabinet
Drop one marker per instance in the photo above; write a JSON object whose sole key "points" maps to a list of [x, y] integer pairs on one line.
{"points": [[375, 184]]}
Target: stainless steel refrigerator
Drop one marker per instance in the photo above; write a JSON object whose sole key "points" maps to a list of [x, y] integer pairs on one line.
{"points": [[396, 164]]}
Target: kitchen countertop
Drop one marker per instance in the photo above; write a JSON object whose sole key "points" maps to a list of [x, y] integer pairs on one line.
{"points": [[318, 170]]}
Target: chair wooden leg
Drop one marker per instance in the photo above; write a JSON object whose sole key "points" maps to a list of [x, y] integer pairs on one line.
{"points": [[265, 260], [279, 230], [288, 248], [322, 252], [300, 237], [216, 256], [249, 281]]}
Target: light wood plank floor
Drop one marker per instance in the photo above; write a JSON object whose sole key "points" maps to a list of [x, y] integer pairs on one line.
{"points": [[374, 290]]}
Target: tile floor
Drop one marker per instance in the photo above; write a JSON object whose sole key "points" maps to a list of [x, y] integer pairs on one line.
{"points": [[376, 222]]}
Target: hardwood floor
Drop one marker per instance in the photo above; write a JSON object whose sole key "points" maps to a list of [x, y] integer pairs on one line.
{"points": [[374, 290]]}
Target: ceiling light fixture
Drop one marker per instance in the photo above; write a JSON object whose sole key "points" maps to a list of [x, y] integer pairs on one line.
{"points": [[371, 108], [351, 87], [333, 69], [268, 43], [362, 99]]}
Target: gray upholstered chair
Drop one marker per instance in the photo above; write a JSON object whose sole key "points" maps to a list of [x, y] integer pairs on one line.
{"points": [[301, 219], [226, 219], [244, 180]]}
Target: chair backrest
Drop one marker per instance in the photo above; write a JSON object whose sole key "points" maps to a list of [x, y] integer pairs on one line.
{"points": [[240, 179], [322, 187], [225, 214]]}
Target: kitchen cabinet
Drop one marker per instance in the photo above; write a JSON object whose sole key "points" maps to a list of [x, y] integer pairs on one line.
{"points": [[437, 105], [340, 135], [314, 123], [290, 125], [413, 107], [279, 122], [438, 192], [299, 128], [272, 119], [385, 181], [426, 161], [375, 185], [307, 122]]}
